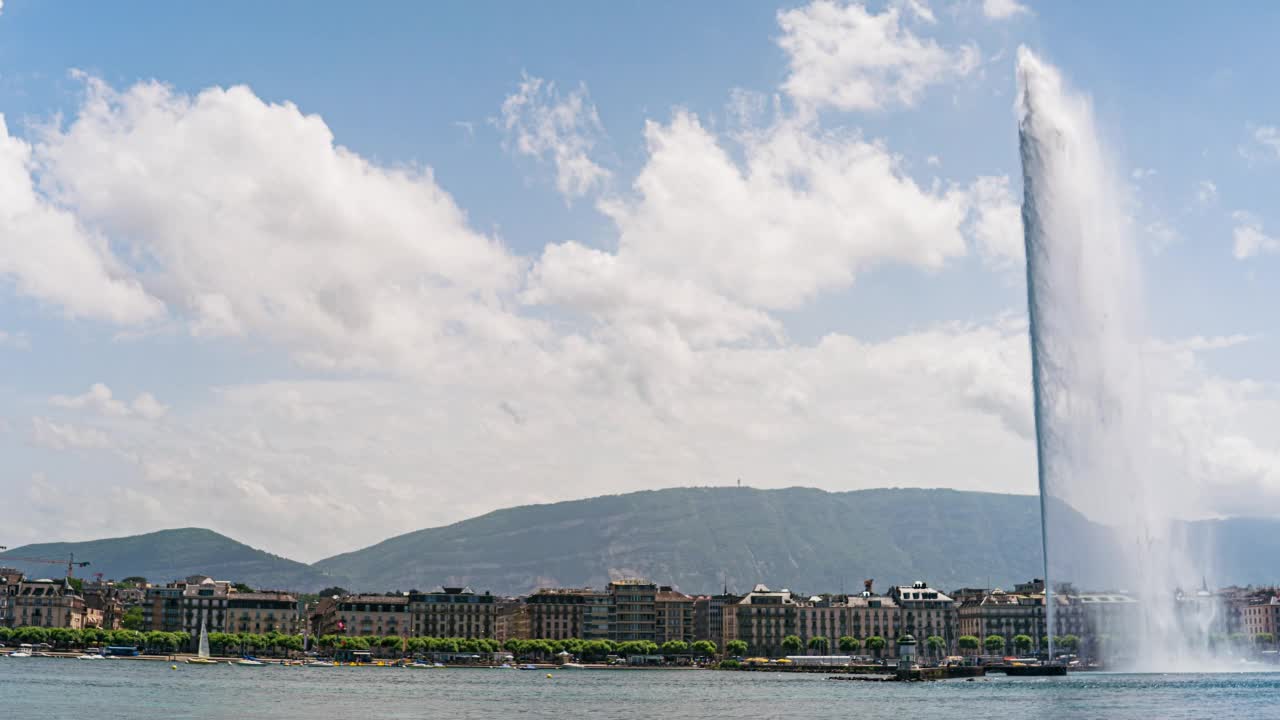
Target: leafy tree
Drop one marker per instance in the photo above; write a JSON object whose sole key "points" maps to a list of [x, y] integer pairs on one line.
{"points": [[1264, 639], [729, 664], [1238, 639], [876, 644], [675, 647], [994, 644], [161, 641], [219, 642], [331, 591], [968, 642], [704, 648], [32, 635], [59, 637], [354, 643], [819, 644], [1022, 643], [792, 645], [132, 581], [133, 619], [936, 644], [6, 634], [241, 587], [76, 584], [848, 644], [736, 648], [1070, 643], [513, 645], [131, 638]]}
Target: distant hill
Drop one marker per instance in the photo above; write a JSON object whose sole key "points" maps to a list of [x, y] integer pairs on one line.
{"points": [[171, 555], [701, 538]]}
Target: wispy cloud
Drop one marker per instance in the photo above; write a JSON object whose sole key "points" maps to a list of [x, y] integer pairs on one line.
{"points": [[1003, 9], [541, 123], [1250, 238]]}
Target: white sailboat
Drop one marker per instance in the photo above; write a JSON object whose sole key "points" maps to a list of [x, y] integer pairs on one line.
{"points": [[202, 655]]}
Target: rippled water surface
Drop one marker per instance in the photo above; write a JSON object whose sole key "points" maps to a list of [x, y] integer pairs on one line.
{"points": [[56, 688]]}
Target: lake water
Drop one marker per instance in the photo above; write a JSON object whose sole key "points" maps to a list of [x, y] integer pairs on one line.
{"points": [[57, 688]]}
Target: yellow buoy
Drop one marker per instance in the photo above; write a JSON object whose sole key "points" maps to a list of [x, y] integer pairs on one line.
{"points": [[548, 674], [173, 667]]}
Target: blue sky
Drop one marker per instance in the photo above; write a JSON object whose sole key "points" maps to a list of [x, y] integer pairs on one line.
{"points": [[611, 380]]}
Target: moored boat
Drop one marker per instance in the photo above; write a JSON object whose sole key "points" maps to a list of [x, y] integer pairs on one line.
{"points": [[202, 653]]}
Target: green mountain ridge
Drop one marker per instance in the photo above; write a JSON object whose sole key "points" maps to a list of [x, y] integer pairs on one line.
{"points": [[700, 539], [697, 539], [167, 555]]}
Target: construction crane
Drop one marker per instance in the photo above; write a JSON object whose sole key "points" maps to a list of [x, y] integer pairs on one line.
{"points": [[70, 562]]}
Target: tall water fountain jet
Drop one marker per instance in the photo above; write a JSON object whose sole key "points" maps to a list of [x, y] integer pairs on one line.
{"points": [[1106, 490]]}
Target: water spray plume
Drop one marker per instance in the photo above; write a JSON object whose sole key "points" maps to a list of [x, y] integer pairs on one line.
{"points": [[1106, 490]]}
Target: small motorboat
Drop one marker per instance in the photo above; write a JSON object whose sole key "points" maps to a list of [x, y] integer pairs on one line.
{"points": [[201, 661], [573, 666], [247, 661], [320, 663], [20, 654], [91, 656], [529, 667]]}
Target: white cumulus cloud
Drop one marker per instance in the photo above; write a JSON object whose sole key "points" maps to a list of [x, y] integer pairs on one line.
{"points": [[849, 58], [49, 255], [249, 219]]}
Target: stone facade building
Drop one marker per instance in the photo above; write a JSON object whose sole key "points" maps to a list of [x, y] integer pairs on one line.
{"points": [[49, 604], [1261, 617], [765, 617], [673, 616], [715, 618], [454, 612], [557, 614], [263, 612], [204, 601]]}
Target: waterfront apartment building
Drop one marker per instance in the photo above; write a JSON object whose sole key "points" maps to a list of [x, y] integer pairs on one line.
{"points": [[454, 612], [715, 618], [633, 611], [1092, 616], [9, 581], [162, 608], [626, 610], [263, 612], [103, 610], [557, 613], [673, 616], [1261, 617], [765, 617], [511, 620], [924, 612], [364, 615], [49, 604], [204, 601], [1007, 614], [859, 616]]}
